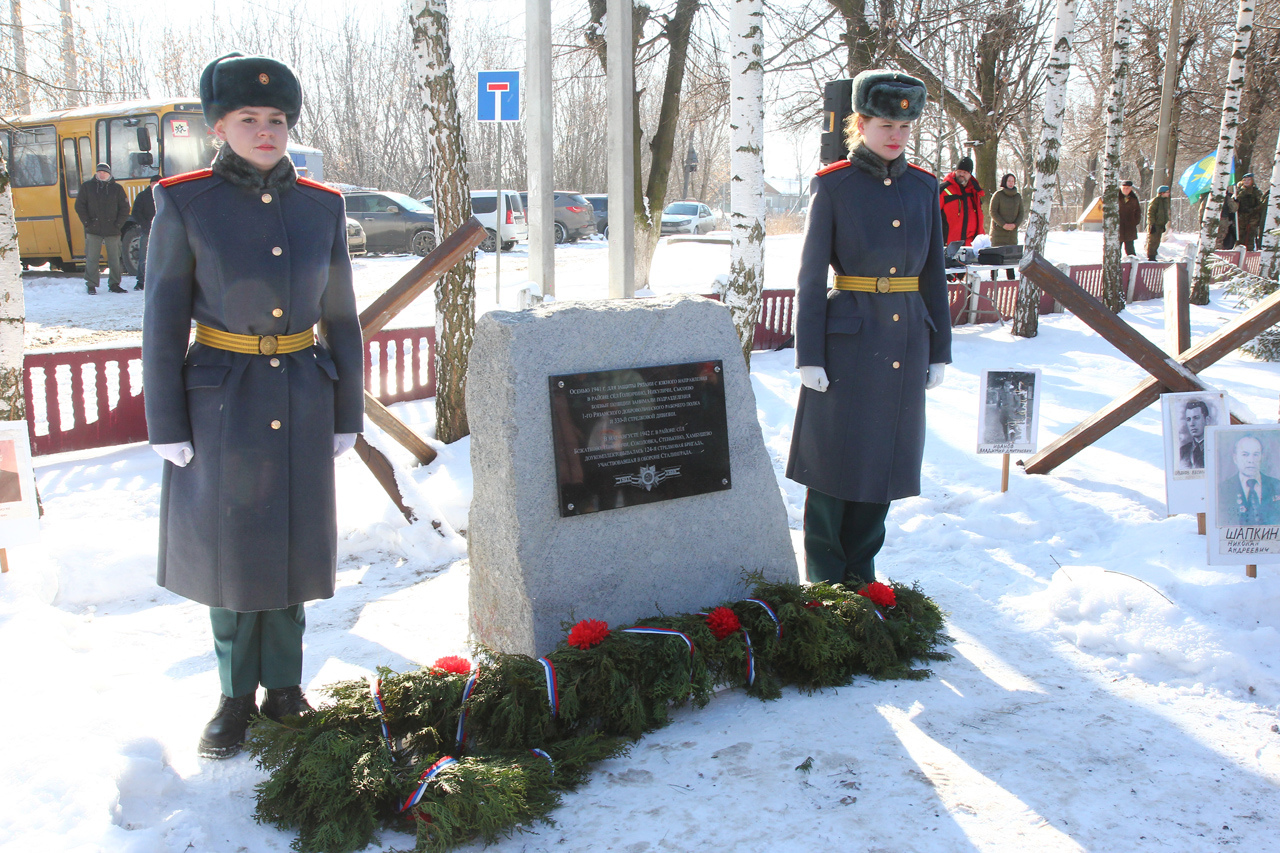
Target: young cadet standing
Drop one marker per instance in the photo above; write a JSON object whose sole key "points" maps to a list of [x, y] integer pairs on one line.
{"points": [[250, 416], [1157, 221], [867, 350]]}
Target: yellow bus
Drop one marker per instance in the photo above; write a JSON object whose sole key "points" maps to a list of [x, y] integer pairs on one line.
{"points": [[51, 154]]}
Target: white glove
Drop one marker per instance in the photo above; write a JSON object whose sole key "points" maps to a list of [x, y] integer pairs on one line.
{"points": [[342, 442], [179, 453], [814, 377], [936, 372]]}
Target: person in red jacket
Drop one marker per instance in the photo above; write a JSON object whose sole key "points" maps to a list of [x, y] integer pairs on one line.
{"points": [[961, 199]]}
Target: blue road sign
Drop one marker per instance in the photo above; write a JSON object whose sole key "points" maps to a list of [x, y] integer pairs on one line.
{"points": [[499, 96]]}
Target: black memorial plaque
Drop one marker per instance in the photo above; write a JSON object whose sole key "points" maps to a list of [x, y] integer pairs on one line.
{"points": [[635, 436]]}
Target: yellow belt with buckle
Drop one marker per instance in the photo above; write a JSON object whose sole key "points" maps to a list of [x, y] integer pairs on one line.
{"points": [[254, 344], [866, 284]]}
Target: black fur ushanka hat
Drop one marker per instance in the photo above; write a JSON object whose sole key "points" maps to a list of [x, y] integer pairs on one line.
{"points": [[888, 94], [235, 80]]}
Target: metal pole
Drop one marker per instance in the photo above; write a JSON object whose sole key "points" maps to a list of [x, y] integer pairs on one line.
{"points": [[619, 80], [497, 241], [1166, 95], [540, 211]]}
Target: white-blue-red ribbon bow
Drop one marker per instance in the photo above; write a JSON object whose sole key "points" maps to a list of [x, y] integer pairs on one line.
{"points": [[553, 690], [542, 754], [375, 690], [426, 777], [462, 713], [751, 660], [769, 610]]}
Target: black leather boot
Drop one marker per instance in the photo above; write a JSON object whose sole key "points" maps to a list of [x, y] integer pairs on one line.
{"points": [[223, 737], [284, 702]]}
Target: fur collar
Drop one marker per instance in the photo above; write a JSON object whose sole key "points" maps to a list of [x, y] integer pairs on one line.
{"points": [[874, 165], [236, 170]]}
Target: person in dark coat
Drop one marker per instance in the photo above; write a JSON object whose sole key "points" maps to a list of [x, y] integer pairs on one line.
{"points": [[144, 211], [961, 200], [1157, 221], [1227, 221], [103, 208], [868, 349], [1250, 213], [1130, 217], [250, 416], [1007, 213]]}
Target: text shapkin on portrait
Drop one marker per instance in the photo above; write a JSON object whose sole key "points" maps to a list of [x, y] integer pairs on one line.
{"points": [[1242, 493]]}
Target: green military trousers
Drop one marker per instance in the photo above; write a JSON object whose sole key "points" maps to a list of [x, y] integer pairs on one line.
{"points": [[841, 539], [263, 647]]}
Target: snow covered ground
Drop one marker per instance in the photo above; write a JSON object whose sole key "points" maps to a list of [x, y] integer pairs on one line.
{"points": [[1109, 691]]}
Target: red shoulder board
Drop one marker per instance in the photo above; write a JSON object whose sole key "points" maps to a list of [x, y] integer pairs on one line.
{"points": [[186, 176], [926, 171], [316, 185], [839, 164]]}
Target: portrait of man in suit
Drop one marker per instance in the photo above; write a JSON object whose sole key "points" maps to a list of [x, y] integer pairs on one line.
{"points": [[10, 482], [1195, 417], [1248, 496]]}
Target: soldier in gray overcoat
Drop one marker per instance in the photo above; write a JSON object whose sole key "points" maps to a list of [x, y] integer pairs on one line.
{"points": [[868, 349], [251, 415]]}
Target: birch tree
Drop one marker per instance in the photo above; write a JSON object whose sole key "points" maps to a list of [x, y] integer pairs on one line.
{"points": [[1026, 317], [1270, 266], [1112, 294], [1203, 269], [12, 312], [447, 160], [746, 165]]}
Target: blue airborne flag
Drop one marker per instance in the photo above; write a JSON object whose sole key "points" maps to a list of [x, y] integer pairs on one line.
{"points": [[1198, 179]]}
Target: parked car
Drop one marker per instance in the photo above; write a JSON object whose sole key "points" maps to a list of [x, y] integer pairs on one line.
{"points": [[687, 217], [575, 217], [484, 205], [600, 202], [392, 222], [355, 238]]}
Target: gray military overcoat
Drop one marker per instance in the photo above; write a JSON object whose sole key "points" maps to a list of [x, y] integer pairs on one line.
{"points": [[863, 438], [250, 523]]}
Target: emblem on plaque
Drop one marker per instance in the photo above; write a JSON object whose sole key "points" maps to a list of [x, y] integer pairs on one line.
{"points": [[648, 477]]}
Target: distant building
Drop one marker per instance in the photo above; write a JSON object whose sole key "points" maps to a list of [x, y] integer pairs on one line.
{"points": [[785, 195]]}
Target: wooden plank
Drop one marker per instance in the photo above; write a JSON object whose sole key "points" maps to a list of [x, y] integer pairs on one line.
{"points": [[397, 429], [382, 471], [424, 274], [1177, 313]]}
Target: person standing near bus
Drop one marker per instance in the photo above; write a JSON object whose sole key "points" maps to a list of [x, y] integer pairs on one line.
{"points": [[144, 211], [250, 417], [103, 208]]}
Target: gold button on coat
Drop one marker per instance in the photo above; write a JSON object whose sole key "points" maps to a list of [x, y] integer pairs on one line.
{"points": [[888, 181], [276, 424], [277, 251], [266, 198], [278, 312], [895, 319], [896, 365], [893, 270], [896, 224], [275, 362]]}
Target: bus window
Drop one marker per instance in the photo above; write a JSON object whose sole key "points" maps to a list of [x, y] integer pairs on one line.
{"points": [[35, 157], [70, 168], [120, 143], [186, 144]]}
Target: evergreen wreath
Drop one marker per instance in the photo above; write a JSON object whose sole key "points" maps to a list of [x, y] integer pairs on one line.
{"points": [[464, 750]]}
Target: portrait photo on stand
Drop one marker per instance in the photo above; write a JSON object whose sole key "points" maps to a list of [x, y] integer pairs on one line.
{"points": [[1186, 418], [19, 521], [1009, 411], [1242, 497]]}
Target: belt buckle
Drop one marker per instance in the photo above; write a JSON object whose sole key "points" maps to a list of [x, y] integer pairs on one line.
{"points": [[268, 344], [882, 285]]}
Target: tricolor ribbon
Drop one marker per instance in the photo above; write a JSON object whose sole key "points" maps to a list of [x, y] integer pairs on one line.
{"points": [[769, 610], [539, 752], [375, 690], [553, 691], [666, 632], [427, 776], [751, 659], [462, 714]]}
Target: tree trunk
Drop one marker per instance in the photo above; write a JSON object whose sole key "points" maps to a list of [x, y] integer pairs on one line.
{"points": [[447, 161], [746, 166], [1112, 293], [70, 73], [1270, 266], [1202, 272], [1026, 317], [20, 57], [12, 311]]}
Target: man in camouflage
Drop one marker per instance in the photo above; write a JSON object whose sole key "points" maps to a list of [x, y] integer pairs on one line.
{"points": [[1157, 221], [1249, 199]]}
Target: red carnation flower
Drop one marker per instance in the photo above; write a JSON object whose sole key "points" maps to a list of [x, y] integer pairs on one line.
{"points": [[588, 633], [454, 664], [722, 621], [814, 604], [880, 595]]}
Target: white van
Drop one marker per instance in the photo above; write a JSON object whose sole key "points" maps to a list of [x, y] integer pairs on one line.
{"points": [[484, 204]]}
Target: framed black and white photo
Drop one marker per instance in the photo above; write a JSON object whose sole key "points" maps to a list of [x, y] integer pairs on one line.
{"points": [[1242, 493], [1186, 418], [1009, 412]]}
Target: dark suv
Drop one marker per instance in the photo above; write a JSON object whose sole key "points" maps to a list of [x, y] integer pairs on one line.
{"points": [[392, 222], [575, 217], [600, 202]]}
